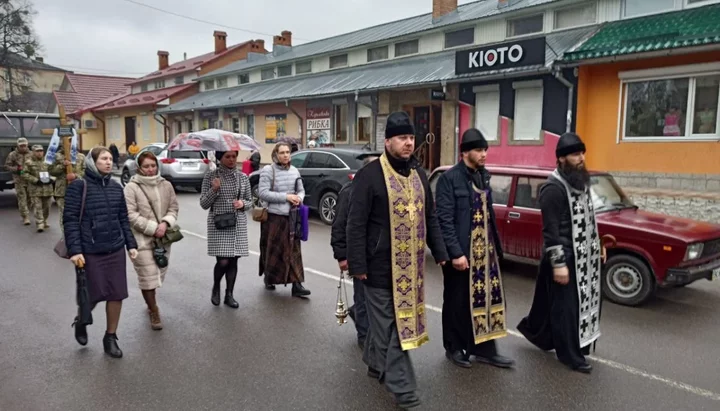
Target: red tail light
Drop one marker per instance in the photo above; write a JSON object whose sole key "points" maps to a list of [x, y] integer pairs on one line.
{"points": [[206, 161], [167, 160], [351, 176]]}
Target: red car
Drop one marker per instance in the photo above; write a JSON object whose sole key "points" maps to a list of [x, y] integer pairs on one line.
{"points": [[652, 249]]}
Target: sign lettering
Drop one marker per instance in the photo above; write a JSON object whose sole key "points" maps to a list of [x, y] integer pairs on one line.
{"points": [[503, 56], [320, 124]]}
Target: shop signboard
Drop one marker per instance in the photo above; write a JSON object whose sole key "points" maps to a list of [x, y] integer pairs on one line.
{"points": [[318, 125], [512, 54]]}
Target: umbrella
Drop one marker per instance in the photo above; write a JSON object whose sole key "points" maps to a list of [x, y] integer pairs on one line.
{"points": [[213, 140], [83, 296]]}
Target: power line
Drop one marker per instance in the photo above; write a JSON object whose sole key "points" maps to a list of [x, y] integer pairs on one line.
{"points": [[203, 21]]}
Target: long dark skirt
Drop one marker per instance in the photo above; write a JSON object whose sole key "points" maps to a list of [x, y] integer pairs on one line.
{"points": [[106, 276], [280, 258]]}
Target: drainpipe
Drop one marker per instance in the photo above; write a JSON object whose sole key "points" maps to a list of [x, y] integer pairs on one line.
{"points": [[103, 128], [164, 124], [571, 90], [302, 128]]}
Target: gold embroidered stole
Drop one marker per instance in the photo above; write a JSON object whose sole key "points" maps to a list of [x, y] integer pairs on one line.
{"points": [[487, 296], [406, 197]]}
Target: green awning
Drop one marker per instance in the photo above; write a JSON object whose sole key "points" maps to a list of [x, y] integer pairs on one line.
{"points": [[698, 26]]}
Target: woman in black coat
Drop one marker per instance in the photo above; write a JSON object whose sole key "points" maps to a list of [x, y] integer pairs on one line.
{"points": [[97, 238]]}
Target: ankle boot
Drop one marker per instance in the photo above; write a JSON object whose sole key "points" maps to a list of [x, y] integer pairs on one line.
{"points": [[299, 291], [230, 301], [111, 346], [80, 332], [215, 299], [155, 322]]}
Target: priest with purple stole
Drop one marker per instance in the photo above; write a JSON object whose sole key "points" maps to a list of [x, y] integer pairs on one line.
{"points": [[391, 218], [474, 313]]}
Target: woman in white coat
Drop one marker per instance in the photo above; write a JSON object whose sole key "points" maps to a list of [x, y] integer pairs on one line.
{"points": [[152, 209]]}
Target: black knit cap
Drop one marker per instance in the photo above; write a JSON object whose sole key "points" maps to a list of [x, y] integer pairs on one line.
{"points": [[472, 139], [398, 124], [569, 143]]}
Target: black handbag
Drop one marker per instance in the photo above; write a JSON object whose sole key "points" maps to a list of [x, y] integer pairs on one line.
{"points": [[227, 220]]}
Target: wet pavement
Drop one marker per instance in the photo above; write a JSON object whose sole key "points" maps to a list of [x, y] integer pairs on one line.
{"points": [[282, 353]]}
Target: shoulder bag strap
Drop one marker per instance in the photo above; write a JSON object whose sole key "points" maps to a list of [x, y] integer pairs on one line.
{"points": [[149, 202]]}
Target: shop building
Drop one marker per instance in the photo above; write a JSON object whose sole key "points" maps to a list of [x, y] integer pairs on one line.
{"points": [[648, 98]]}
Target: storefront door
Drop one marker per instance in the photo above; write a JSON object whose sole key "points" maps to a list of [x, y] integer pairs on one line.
{"points": [[427, 122]]}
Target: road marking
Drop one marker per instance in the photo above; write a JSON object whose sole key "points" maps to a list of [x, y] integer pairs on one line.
{"points": [[619, 366]]}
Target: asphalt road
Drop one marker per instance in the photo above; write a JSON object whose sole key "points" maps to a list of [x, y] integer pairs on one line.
{"points": [[280, 353]]}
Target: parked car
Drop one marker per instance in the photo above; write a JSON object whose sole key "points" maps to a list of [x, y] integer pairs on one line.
{"points": [[652, 249], [324, 171], [180, 168]]}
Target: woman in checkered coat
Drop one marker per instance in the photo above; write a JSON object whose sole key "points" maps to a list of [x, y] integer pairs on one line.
{"points": [[226, 190]]}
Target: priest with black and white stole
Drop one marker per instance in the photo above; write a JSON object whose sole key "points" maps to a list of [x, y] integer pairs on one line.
{"points": [[473, 312], [565, 314]]}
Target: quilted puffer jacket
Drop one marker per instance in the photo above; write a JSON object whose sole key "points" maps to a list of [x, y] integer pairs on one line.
{"points": [[105, 227]]}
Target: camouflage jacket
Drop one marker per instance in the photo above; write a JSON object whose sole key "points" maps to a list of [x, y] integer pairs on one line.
{"points": [[58, 170], [33, 168], [15, 159]]}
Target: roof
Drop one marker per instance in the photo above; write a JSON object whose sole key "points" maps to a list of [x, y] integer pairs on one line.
{"points": [[691, 27], [141, 99], [413, 25], [17, 60], [412, 71], [88, 89], [187, 65]]}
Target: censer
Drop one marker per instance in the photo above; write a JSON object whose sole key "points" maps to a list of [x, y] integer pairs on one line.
{"points": [[341, 311]]}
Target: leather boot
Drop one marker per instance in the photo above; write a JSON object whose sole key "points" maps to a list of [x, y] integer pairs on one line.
{"points": [[80, 332], [26, 221], [230, 301], [110, 346], [299, 291], [215, 299], [269, 287], [155, 322]]}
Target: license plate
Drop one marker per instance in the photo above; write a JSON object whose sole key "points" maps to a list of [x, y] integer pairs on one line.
{"points": [[716, 274], [191, 166]]}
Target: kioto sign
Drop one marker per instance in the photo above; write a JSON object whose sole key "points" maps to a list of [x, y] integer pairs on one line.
{"points": [[501, 56]]}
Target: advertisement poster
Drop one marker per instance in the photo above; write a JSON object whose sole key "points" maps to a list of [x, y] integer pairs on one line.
{"points": [[275, 126], [318, 126]]}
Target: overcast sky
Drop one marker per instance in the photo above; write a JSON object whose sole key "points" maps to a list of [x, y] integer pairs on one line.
{"points": [[116, 37]]}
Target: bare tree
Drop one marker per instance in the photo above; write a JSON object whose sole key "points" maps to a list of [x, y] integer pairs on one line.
{"points": [[18, 46]]}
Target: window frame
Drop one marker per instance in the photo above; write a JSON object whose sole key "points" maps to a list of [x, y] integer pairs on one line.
{"points": [[417, 48], [221, 82], [179, 80], [286, 66], [209, 84], [330, 61], [692, 73], [624, 15], [445, 38], [385, 48], [539, 140], [575, 6], [530, 178], [496, 177], [266, 70], [241, 76], [161, 83], [508, 24], [490, 88], [297, 64]]}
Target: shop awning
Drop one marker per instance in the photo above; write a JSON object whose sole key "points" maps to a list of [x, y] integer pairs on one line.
{"points": [[697, 26], [409, 72]]}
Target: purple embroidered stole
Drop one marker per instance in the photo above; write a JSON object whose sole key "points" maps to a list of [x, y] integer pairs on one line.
{"points": [[487, 296], [406, 197]]}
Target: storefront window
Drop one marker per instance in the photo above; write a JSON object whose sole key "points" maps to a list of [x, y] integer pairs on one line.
{"points": [[364, 123], [672, 108], [340, 123]]}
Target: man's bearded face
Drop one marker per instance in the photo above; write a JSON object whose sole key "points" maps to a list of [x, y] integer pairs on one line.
{"points": [[573, 166]]}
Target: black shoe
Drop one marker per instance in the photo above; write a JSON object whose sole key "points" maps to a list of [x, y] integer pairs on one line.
{"points": [[458, 358], [496, 360], [269, 287], [111, 347], [215, 299], [583, 368], [80, 332], [230, 301], [373, 373], [351, 312], [299, 291], [408, 400]]}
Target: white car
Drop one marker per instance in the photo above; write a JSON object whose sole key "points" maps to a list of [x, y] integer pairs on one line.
{"points": [[181, 168]]}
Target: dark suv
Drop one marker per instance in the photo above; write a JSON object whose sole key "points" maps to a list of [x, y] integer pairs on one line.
{"points": [[324, 171]]}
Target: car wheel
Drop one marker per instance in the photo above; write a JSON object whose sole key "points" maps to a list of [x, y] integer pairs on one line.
{"points": [[125, 177], [327, 207], [255, 195], [627, 280]]}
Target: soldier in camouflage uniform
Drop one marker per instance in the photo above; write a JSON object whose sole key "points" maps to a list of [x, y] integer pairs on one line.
{"points": [[37, 174], [59, 170], [15, 164]]}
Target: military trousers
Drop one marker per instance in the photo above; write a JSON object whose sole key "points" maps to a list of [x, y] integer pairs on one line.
{"points": [[42, 210], [25, 202], [60, 201]]}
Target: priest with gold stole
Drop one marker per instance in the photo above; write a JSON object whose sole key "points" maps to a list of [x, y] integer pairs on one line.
{"points": [[391, 218], [474, 312]]}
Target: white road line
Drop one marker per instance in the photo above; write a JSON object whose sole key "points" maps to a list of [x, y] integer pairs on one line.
{"points": [[631, 370]]}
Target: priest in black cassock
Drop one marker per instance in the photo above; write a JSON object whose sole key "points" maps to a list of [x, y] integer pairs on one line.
{"points": [[565, 314], [473, 313]]}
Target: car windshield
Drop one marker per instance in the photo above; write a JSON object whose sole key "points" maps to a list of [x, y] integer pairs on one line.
{"points": [[607, 195]]}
